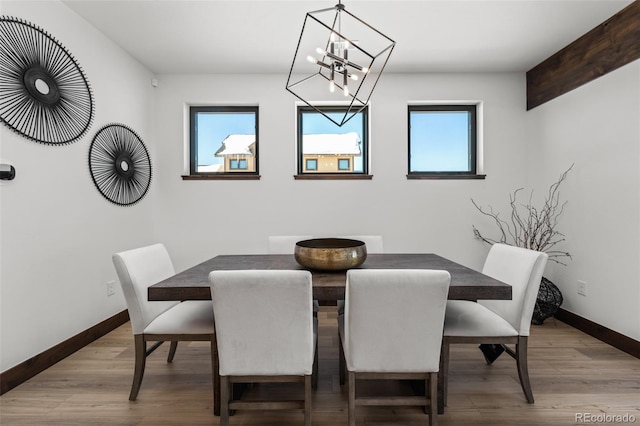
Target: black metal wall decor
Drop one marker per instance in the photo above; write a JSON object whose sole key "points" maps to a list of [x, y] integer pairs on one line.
{"points": [[44, 94], [120, 165]]}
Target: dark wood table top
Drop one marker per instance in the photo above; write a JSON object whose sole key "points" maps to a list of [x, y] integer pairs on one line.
{"points": [[193, 283]]}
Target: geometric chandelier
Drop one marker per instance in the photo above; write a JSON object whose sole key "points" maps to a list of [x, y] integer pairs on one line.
{"points": [[339, 58]]}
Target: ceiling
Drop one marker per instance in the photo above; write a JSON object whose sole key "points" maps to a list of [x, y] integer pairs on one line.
{"points": [[260, 36]]}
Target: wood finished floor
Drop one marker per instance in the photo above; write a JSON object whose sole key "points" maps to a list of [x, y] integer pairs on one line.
{"points": [[571, 373]]}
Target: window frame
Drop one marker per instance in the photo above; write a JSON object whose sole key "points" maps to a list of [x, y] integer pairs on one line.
{"points": [[348, 160], [239, 161], [474, 109], [237, 174], [300, 161]]}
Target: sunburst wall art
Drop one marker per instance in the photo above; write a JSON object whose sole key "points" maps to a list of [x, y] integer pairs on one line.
{"points": [[44, 94], [120, 165]]}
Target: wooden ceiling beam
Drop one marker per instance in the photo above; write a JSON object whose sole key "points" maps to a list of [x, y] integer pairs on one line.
{"points": [[609, 46]]}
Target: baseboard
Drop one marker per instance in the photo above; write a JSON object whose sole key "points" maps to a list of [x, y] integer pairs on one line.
{"points": [[24, 371], [613, 338]]}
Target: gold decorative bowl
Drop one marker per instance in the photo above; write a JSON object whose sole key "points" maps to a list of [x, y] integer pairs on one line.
{"points": [[330, 254]]}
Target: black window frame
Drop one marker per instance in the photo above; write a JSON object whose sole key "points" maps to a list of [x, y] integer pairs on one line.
{"points": [[193, 151], [473, 160], [301, 174]]}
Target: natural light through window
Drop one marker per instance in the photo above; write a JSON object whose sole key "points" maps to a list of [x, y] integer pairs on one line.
{"points": [[224, 139], [442, 139], [325, 148]]}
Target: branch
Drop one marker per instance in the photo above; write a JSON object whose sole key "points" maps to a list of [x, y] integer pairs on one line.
{"points": [[530, 227]]}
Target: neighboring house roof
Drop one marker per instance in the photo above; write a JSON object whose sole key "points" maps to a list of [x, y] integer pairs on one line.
{"points": [[237, 144], [332, 143]]}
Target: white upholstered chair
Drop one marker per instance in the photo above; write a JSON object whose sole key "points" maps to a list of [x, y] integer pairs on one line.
{"points": [[285, 244], [374, 244], [498, 321], [160, 321], [266, 332], [392, 329]]}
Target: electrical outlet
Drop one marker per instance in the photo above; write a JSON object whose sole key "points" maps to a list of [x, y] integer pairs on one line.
{"points": [[111, 288], [582, 287]]}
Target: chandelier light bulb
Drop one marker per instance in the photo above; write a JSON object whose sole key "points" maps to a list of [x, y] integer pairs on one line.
{"points": [[345, 90], [311, 59], [332, 86]]}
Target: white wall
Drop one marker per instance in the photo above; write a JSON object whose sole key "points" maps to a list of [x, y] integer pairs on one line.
{"points": [[597, 127], [199, 219], [58, 232]]}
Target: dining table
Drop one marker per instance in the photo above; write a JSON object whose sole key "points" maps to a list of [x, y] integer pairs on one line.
{"points": [[328, 286], [193, 283]]}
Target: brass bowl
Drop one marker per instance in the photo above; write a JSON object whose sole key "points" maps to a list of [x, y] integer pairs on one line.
{"points": [[330, 254]]}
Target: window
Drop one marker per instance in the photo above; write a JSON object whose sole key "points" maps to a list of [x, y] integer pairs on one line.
{"points": [[238, 164], [344, 164], [224, 141], [311, 164], [327, 150], [442, 141]]}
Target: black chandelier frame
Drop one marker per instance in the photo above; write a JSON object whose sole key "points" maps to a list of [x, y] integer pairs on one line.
{"points": [[332, 64]]}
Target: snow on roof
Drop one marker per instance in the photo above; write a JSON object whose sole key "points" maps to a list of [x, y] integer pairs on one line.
{"points": [[210, 168], [331, 143], [236, 144]]}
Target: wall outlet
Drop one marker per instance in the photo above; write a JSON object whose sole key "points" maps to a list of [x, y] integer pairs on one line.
{"points": [[111, 288], [582, 287]]}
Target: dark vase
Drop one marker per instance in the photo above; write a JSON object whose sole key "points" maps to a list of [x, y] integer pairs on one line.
{"points": [[548, 301]]}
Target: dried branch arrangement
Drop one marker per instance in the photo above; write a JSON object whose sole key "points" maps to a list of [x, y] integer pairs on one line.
{"points": [[529, 226]]}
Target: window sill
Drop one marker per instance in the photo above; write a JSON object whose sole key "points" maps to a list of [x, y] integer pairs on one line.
{"points": [[332, 176], [443, 176], [222, 176]]}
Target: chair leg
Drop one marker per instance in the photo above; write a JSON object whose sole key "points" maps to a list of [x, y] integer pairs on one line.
{"points": [[314, 373], [443, 376], [172, 351], [215, 370], [224, 401], [342, 362], [352, 398], [141, 358], [307, 400], [523, 369], [433, 397]]}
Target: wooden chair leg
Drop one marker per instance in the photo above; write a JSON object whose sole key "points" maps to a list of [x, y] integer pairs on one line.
{"points": [[307, 400], [342, 363], [215, 370], [433, 397], [314, 373], [138, 372], [172, 351], [523, 368], [443, 376], [224, 401], [352, 399]]}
